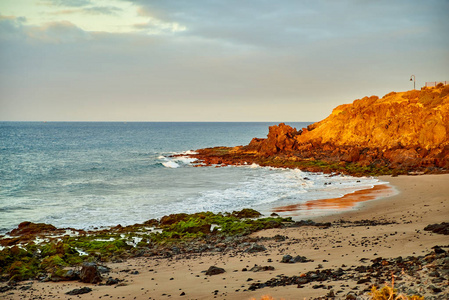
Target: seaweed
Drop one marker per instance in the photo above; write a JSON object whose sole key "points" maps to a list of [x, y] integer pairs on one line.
{"points": [[52, 257]]}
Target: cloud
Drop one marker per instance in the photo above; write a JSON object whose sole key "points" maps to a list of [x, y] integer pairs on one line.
{"points": [[16, 28], [103, 10], [11, 27], [94, 10], [70, 3], [216, 60], [56, 32], [291, 23]]}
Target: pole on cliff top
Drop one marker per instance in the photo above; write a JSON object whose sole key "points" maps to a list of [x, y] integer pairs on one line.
{"points": [[414, 80]]}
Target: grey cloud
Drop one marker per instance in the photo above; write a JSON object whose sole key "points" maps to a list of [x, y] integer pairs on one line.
{"points": [[11, 28], [70, 3], [283, 60], [289, 23], [94, 10], [53, 32], [57, 32], [102, 10]]}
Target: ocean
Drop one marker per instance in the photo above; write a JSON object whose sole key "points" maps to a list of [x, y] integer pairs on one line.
{"points": [[98, 174]]}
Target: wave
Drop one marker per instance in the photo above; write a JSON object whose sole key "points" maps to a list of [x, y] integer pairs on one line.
{"points": [[174, 162]]}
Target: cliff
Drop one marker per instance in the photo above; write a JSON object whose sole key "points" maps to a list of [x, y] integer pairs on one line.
{"points": [[406, 129], [399, 133]]}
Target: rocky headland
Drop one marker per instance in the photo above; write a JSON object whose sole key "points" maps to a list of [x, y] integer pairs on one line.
{"points": [[400, 133]]}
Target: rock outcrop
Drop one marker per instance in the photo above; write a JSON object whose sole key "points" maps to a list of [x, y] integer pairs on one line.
{"points": [[406, 131]]}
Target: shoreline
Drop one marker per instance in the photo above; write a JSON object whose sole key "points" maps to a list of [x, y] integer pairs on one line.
{"points": [[339, 205], [422, 200]]}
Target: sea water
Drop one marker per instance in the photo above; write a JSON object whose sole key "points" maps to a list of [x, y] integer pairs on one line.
{"points": [[85, 175]]}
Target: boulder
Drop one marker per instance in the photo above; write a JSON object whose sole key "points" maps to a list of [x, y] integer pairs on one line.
{"points": [[32, 228], [90, 273], [213, 270]]}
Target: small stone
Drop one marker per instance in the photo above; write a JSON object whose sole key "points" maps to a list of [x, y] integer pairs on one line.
{"points": [[111, 281], [435, 289], [286, 259], [83, 290], [255, 248], [213, 270]]}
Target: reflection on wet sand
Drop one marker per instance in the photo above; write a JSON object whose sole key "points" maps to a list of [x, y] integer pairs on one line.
{"points": [[343, 203]]}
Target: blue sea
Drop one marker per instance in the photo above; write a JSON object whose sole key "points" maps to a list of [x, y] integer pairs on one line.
{"points": [[87, 174]]}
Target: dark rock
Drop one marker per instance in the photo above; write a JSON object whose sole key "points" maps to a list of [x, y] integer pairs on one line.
{"points": [[83, 290], [255, 248], [72, 275], [6, 288], [152, 222], [112, 281], [173, 218], [90, 273], [213, 270], [438, 250], [319, 286], [104, 269], [300, 259], [434, 274], [25, 287], [31, 228], [442, 228], [246, 213], [302, 280], [182, 294], [364, 280], [291, 260], [63, 275], [286, 259], [435, 289], [279, 238], [261, 268], [350, 297]]}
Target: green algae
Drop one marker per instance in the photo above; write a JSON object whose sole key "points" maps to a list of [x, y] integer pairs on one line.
{"points": [[36, 260]]}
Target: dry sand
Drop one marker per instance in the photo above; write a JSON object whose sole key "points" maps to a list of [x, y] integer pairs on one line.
{"points": [[422, 200]]}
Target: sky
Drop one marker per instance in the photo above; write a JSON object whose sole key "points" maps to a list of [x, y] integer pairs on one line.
{"points": [[212, 60]]}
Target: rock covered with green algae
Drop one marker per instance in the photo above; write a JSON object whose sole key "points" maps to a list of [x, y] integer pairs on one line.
{"points": [[177, 234]]}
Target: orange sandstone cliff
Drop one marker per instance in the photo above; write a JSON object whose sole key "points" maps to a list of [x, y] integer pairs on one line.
{"points": [[407, 131]]}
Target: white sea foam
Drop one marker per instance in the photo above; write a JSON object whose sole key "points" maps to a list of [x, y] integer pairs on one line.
{"points": [[189, 152], [176, 161], [170, 164], [184, 159]]}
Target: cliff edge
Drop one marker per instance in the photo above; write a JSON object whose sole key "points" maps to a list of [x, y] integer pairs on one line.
{"points": [[401, 132]]}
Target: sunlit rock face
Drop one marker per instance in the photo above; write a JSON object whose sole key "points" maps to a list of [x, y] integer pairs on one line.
{"points": [[409, 129]]}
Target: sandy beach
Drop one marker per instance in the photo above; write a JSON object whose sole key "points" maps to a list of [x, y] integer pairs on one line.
{"points": [[397, 229]]}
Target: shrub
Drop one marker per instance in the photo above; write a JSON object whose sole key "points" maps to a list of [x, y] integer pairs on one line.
{"points": [[390, 293]]}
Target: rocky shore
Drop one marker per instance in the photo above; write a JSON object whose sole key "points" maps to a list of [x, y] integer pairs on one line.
{"points": [[336, 257], [400, 133], [391, 248]]}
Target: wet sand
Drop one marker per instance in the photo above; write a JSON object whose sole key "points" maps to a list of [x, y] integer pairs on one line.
{"points": [[344, 203], [422, 200]]}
